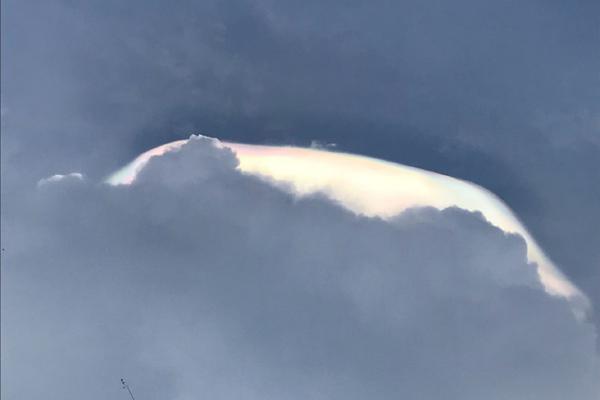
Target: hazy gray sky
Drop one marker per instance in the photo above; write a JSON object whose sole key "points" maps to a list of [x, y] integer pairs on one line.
{"points": [[197, 281], [502, 93]]}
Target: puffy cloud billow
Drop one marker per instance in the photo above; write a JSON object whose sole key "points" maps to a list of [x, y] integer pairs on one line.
{"points": [[197, 281]]}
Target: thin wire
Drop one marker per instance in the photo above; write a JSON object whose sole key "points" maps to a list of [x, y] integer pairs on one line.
{"points": [[131, 394]]}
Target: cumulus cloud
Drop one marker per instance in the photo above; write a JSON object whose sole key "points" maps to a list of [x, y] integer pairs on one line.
{"points": [[372, 187], [501, 94], [73, 176], [316, 144], [199, 282]]}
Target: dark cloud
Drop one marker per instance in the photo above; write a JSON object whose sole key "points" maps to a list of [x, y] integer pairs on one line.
{"points": [[197, 281], [505, 94]]}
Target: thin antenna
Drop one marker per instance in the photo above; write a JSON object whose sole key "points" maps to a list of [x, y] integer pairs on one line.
{"points": [[126, 386]]}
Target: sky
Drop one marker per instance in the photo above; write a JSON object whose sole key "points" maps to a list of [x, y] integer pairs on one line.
{"points": [[503, 94], [198, 280]]}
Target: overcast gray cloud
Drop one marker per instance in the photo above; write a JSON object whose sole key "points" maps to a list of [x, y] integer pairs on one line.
{"points": [[502, 93], [197, 281]]}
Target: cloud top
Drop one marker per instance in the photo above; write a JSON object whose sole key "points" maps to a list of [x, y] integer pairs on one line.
{"points": [[73, 177], [374, 187]]}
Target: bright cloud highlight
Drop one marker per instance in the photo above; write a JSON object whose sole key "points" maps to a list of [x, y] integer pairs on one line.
{"points": [[374, 187]]}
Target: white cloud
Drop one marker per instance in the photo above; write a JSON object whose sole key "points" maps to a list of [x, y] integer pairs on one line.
{"points": [[373, 187], [198, 281], [73, 176]]}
